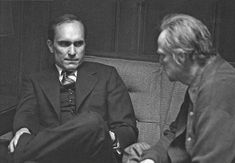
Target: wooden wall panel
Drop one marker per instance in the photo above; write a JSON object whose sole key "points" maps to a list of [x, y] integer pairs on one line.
{"points": [[34, 36], [6, 17], [128, 26], [225, 29], [24, 51], [116, 28], [99, 18], [10, 51], [155, 10]]}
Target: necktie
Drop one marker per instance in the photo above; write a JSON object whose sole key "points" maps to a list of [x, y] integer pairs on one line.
{"points": [[68, 78]]}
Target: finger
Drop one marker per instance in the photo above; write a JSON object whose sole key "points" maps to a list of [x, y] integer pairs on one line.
{"points": [[15, 142], [140, 149], [11, 147], [137, 150], [145, 146]]}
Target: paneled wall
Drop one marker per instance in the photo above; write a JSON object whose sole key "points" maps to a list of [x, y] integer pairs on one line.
{"points": [[10, 41], [225, 32], [22, 50], [116, 28], [128, 28]]}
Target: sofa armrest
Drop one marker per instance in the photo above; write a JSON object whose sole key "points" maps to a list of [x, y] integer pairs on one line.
{"points": [[7, 112]]}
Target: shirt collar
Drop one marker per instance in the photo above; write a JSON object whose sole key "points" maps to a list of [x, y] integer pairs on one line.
{"points": [[59, 69]]}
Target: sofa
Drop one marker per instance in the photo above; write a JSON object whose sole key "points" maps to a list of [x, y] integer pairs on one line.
{"points": [[155, 99]]}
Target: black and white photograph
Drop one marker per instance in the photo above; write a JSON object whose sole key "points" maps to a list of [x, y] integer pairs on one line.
{"points": [[117, 81]]}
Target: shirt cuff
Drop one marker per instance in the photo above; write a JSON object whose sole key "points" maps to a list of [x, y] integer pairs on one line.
{"points": [[116, 144]]}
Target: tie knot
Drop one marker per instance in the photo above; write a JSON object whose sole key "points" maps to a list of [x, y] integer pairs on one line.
{"points": [[69, 77], [67, 73]]}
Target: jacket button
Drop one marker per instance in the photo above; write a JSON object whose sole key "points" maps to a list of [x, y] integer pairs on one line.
{"points": [[189, 139], [191, 113]]}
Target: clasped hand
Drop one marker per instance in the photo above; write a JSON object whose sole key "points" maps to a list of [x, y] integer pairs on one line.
{"points": [[12, 145]]}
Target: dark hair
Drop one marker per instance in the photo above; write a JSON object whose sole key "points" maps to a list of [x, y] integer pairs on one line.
{"points": [[187, 34], [60, 20]]}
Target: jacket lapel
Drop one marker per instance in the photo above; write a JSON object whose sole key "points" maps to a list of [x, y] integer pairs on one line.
{"points": [[51, 86], [178, 153], [181, 119], [86, 80]]}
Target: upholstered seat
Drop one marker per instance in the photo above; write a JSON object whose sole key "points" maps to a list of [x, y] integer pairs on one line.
{"points": [[156, 100]]}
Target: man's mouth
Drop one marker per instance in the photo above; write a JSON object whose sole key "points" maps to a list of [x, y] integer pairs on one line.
{"points": [[71, 60]]}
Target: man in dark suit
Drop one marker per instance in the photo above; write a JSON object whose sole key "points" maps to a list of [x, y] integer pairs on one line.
{"points": [[204, 130], [75, 111]]}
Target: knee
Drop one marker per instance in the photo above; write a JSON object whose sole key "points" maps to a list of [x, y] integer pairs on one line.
{"points": [[95, 122], [94, 133]]}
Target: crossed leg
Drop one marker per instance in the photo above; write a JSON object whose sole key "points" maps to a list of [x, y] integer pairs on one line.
{"points": [[84, 138]]}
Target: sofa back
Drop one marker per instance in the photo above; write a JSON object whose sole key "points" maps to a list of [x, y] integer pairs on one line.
{"points": [[155, 99]]}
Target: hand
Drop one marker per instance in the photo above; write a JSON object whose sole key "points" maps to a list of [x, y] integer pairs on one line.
{"points": [[140, 147], [15, 139], [137, 149], [112, 135], [147, 161], [134, 152]]}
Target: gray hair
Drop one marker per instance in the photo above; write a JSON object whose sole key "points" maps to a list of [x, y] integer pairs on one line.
{"points": [[188, 34]]}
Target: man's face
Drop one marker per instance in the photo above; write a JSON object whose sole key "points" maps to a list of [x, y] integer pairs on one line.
{"points": [[68, 45], [171, 67]]}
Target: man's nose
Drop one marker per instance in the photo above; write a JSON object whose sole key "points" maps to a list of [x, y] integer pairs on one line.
{"points": [[72, 50]]}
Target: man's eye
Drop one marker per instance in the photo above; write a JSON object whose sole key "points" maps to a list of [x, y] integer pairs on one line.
{"points": [[64, 43], [68, 43], [78, 43]]}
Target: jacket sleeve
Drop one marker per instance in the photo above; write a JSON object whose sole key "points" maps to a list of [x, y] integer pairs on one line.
{"points": [[122, 119], [26, 111], [159, 151]]}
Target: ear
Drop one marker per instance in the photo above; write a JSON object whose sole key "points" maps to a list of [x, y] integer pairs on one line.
{"points": [[50, 46], [179, 57]]}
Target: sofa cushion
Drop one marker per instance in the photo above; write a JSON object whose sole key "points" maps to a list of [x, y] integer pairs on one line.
{"points": [[150, 92]]}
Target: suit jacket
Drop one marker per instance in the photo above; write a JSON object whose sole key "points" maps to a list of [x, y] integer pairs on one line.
{"points": [[204, 129], [99, 88]]}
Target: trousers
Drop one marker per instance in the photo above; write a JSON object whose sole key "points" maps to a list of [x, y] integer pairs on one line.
{"points": [[83, 139]]}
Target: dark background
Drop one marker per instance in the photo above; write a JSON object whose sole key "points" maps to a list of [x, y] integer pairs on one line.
{"points": [[116, 28]]}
